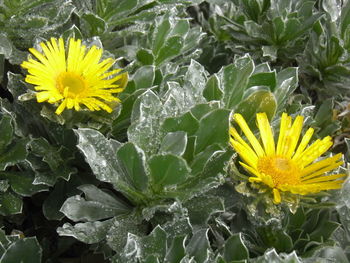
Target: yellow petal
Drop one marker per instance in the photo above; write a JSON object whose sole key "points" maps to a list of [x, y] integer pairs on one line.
{"points": [[276, 196], [266, 133], [248, 133]]}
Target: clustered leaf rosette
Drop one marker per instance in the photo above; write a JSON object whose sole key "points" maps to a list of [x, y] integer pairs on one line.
{"points": [[287, 166], [74, 77]]}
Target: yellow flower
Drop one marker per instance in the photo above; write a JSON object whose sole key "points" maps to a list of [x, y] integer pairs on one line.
{"points": [[73, 78], [288, 166]]}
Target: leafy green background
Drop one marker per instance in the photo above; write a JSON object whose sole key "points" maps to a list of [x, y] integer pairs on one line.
{"points": [[156, 180]]}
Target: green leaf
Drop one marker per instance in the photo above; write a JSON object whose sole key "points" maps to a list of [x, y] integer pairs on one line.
{"points": [[6, 131], [89, 232], [160, 35], [252, 8], [25, 250], [151, 259], [121, 124], [279, 27], [255, 30], [234, 79], [176, 250], [201, 158], [213, 128], [186, 123], [235, 249], [53, 203], [263, 101], [132, 159], [210, 177], [22, 183], [295, 29], [174, 143], [199, 110], [267, 79], [51, 155], [72, 32], [297, 220], [10, 204], [217, 163], [155, 243], [324, 228], [180, 225], [276, 238], [15, 154], [116, 9], [212, 90], [145, 56], [199, 245], [144, 77], [325, 113], [171, 48], [167, 170], [2, 67], [94, 25], [180, 28], [202, 207], [189, 152], [287, 82], [270, 52]]}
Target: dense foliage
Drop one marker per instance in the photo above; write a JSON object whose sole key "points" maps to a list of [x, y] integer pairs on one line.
{"points": [[156, 180]]}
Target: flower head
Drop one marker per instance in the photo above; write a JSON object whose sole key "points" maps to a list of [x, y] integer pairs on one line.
{"points": [[287, 166], [74, 77]]}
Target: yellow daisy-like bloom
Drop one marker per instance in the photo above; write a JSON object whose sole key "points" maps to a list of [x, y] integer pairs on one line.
{"points": [[288, 166], [73, 78]]}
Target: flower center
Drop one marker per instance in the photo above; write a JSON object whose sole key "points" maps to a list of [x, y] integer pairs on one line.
{"points": [[282, 170], [70, 84]]}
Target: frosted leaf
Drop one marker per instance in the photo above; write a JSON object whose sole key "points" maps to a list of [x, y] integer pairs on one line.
{"points": [[234, 79], [271, 256], [198, 244], [5, 46], [121, 227], [77, 208], [42, 20], [24, 250], [201, 208], [132, 247], [194, 84], [333, 8], [178, 227], [100, 154], [287, 82], [155, 243], [174, 208], [181, 98], [173, 104], [89, 232], [4, 185], [144, 129]]}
